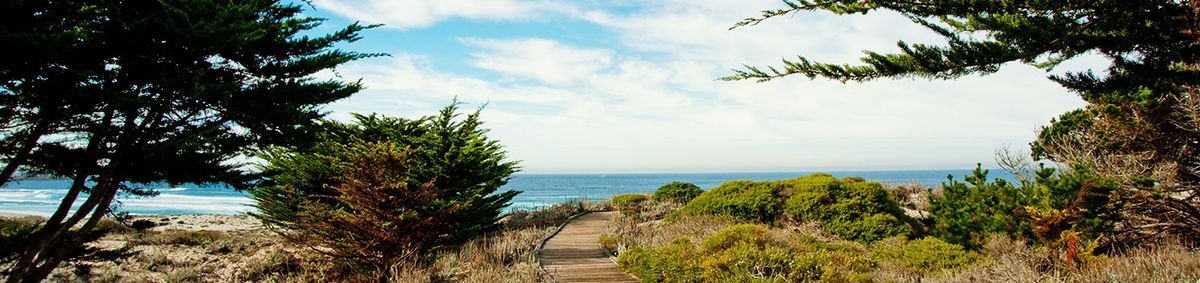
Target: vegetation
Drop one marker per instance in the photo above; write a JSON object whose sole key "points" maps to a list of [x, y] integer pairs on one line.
{"points": [[921, 257], [850, 208], [968, 213], [1050, 207], [628, 203], [113, 94], [679, 192], [388, 190], [1141, 121], [747, 253], [721, 248], [744, 200]]}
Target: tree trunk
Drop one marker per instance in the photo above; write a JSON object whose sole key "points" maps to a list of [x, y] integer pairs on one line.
{"points": [[55, 241], [46, 253], [25, 148]]}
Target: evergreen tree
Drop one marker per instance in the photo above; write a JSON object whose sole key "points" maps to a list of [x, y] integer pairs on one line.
{"points": [[385, 190], [1142, 121], [115, 94]]}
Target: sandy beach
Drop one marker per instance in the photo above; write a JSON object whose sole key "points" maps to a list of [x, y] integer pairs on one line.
{"points": [[193, 222]]}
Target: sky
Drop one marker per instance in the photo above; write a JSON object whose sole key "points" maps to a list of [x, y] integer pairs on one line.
{"points": [[630, 86]]}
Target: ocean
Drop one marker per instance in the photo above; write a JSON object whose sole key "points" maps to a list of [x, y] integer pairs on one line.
{"points": [[41, 197]]}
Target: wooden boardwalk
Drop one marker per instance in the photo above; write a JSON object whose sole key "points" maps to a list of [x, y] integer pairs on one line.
{"points": [[574, 255]]}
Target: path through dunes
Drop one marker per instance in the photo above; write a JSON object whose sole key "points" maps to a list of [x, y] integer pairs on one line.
{"points": [[574, 256]]}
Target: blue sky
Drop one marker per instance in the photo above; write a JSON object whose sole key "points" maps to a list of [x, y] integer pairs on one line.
{"points": [[629, 86]]}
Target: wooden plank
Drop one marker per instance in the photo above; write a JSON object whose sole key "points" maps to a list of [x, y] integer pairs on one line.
{"points": [[573, 255]]}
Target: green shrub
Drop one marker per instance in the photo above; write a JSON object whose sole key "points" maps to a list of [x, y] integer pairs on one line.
{"points": [[744, 200], [628, 204], [749, 263], [966, 213], [924, 256], [676, 262], [748, 253], [851, 208], [678, 192]]}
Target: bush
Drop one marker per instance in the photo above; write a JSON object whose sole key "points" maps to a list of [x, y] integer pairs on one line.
{"points": [[967, 213], [923, 257], [673, 263], [628, 204], [386, 190], [142, 224], [679, 192], [744, 200], [849, 208], [1054, 203], [747, 253], [15, 234]]}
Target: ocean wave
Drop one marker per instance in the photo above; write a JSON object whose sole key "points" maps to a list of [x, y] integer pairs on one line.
{"points": [[174, 189]]}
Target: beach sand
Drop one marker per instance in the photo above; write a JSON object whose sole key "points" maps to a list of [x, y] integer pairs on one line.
{"points": [[184, 248], [194, 222], [224, 223]]}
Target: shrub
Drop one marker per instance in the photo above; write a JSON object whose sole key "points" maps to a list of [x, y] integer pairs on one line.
{"points": [[15, 234], [142, 224], [1054, 204], [747, 253], [749, 263], [679, 192], [385, 190], [967, 213], [924, 256], [673, 263], [744, 200], [628, 204], [849, 208]]}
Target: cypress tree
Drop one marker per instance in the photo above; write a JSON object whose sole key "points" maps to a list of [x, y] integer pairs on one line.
{"points": [[117, 94]]}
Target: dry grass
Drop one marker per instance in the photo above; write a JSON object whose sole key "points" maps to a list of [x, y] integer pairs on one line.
{"points": [[506, 256], [256, 255], [1010, 260], [629, 232]]}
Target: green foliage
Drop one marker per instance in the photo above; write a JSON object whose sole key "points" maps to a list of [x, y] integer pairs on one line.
{"points": [[967, 213], [850, 208], [744, 200], [747, 253], [628, 203], [925, 256], [673, 263], [1074, 202], [678, 192], [384, 190]]}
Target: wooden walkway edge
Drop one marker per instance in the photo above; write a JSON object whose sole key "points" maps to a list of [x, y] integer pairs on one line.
{"points": [[573, 255]]}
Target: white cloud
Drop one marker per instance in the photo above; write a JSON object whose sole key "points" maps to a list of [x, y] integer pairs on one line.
{"points": [[650, 103], [540, 59], [421, 13]]}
